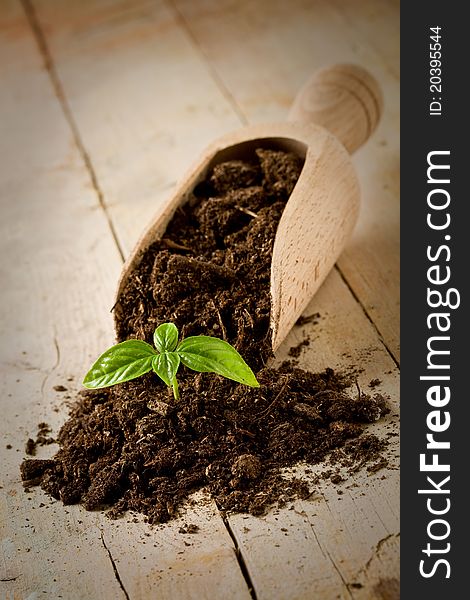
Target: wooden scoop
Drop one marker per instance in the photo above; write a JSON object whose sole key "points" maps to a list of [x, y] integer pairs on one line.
{"points": [[333, 114]]}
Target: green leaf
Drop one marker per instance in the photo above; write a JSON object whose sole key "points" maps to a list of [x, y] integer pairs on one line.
{"points": [[165, 337], [211, 355], [166, 366], [122, 362]]}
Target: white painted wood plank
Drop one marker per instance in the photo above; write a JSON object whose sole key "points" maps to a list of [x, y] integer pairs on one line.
{"points": [[377, 23], [99, 44], [262, 52], [171, 565], [59, 270], [144, 101], [49, 327], [334, 546]]}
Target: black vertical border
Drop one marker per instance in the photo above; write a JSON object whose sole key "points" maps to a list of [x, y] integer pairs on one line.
{"points": [[420, 134]]}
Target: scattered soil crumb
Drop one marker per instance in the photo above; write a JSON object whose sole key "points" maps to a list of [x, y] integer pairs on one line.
{"points": [[30, 447], [374, 383], [43, 438], [308, 319], [189, 528], [336, 478], [60, 388], [380, 464], [131, 448], [295, 351]]}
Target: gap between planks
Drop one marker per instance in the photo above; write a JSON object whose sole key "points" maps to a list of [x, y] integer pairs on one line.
{"points": [[240, 559], [225, 91], [317, 34], [49, 66], [59, 91], [60, 94], [368, 317], [113, 563], [67, 111], [183, 23]]}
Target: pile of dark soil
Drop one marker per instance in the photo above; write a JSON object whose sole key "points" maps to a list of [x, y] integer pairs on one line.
{"points": [[131, 447]]}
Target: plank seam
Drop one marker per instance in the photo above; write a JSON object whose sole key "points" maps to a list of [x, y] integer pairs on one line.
{"points": [[115, 569], [210, 67], [328, 556], [50, 67], [369, 318], [231, 99], [240, 559], [179, 17]]}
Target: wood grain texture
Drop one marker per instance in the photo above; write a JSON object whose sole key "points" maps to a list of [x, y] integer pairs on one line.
{"points": [[49, 223], [59, 269], [334, 545], [149, 84], [322, 210], [162, 563], [315, 226], [263, 52], [134, 82], [344, 99], [198, 86]]}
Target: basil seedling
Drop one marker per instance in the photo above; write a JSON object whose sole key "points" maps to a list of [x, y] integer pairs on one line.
{"points": [[202, 353]]}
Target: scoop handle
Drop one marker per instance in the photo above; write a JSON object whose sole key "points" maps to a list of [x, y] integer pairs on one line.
{"points": [[344, 99]]}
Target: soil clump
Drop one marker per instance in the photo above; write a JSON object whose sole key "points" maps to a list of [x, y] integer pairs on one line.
{"points": [[131, 447]]}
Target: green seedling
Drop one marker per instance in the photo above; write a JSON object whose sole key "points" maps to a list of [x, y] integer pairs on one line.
{"points": [[202, 353]]}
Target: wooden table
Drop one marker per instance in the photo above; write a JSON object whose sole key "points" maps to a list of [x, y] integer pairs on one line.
{"points": [[103, 106]]}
